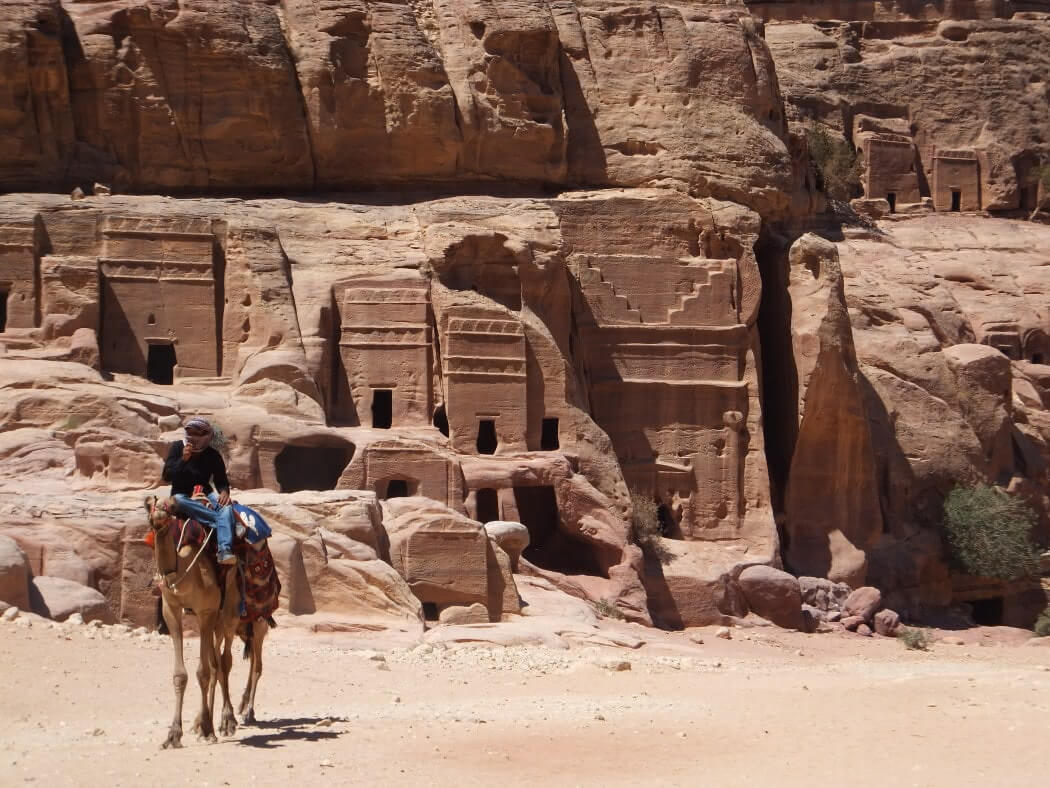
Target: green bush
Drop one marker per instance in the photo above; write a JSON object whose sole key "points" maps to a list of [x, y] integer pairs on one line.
{"points": [[645, 527], [607, 609], [914, 639], [1042, 624], [837, 163], [989, 531]]}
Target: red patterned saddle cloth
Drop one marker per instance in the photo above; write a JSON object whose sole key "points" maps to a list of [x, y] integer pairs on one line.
{"points": [[191, 533], [260, 586]]}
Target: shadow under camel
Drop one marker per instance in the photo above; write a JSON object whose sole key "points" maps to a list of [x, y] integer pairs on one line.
{"points": [[291, 729]]}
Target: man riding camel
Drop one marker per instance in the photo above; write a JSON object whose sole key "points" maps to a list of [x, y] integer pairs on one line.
{"points": [[196, 462]]}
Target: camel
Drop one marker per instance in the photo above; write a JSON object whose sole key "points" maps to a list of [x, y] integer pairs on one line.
{"points": [[190, 582]]}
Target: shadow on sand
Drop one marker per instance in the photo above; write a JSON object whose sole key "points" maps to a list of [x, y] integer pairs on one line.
{"points": [[292, 729]]}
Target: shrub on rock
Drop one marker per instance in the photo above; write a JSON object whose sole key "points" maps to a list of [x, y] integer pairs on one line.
{"points": [[989, 532]]}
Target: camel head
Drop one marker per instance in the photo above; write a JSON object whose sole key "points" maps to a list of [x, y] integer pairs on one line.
{"points": [[160, 512]]}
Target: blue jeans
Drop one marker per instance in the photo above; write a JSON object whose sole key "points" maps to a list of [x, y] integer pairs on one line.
{"points": [[221, 518]]}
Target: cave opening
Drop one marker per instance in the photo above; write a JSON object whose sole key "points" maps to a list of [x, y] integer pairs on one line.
{"points": [[3, 310], [396, 488], [549, 435], [441, 420], [486, 505], [160, 364], [487, 440], [891, 198], [311, 467], [987, 612], [382, 409], [549, 547], [779, 379]]}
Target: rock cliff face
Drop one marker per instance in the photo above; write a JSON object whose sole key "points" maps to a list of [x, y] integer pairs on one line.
{"points": [[584, 265]]}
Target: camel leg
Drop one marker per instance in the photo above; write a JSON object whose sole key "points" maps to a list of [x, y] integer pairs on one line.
{"points": [[259, 630], [173, 618], [228, 723], [207, 667]]}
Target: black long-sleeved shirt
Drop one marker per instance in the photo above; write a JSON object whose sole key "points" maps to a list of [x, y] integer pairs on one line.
{"points": [[200, 469]]}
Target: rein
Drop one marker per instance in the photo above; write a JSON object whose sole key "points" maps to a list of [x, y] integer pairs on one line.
{"points": [[160, 532]]}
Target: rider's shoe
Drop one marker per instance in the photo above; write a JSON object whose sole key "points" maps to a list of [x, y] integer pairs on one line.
{"points": [[226, 558]]}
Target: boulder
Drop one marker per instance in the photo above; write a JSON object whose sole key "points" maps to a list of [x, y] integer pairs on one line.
{"points": [[887, 622], [823, 594], [865, 630], [14, 574], [812, 618], [441, 554], [863, 602], [57, 598], [511, 537], [773, 594], [476, 613], [852, 623]]}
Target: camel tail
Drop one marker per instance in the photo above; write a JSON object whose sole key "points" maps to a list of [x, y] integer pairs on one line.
{"points": [[162, 625], [249, 633]]}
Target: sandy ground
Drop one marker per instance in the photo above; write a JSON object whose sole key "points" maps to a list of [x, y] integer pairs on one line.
{"points": [[766, 708]]}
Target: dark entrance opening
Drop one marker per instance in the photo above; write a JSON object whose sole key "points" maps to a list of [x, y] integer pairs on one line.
{"points": [[668, 527], [487, 505], [3, 311], [891, 198], [549, 547], [1029, 196], [311, 467], [160, 364], [956, 200], [382, 408], [1037, 358], [441, 420], [430, 611], [487, 440], [549, 436], [987, 612], [396, 488]]}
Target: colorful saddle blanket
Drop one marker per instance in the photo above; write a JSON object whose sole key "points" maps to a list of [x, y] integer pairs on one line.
{"points": [[260, 585]]}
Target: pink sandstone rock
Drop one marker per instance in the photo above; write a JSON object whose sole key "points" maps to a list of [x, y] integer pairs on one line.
{"points": [[887, 622], [773, 594], [14, 574], [863, 602]]}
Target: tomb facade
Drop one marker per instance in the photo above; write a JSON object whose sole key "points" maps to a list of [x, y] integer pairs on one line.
{"points": [[889, 168], [385, 348], [19, 277], [956, 180], [484, 378], [158, 300]]}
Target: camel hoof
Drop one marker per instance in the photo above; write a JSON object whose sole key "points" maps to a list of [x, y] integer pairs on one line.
{"points": [[173, 742], [228, 726], [249, 718]]}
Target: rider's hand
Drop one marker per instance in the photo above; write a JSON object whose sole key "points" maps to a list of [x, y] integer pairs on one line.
{"points": [[224, 498], [187, 452]]}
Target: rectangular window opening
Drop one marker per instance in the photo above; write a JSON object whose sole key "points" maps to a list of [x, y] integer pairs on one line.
{"points": [[487, 505], [382, 408], [487, 440], [549, 436]]}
